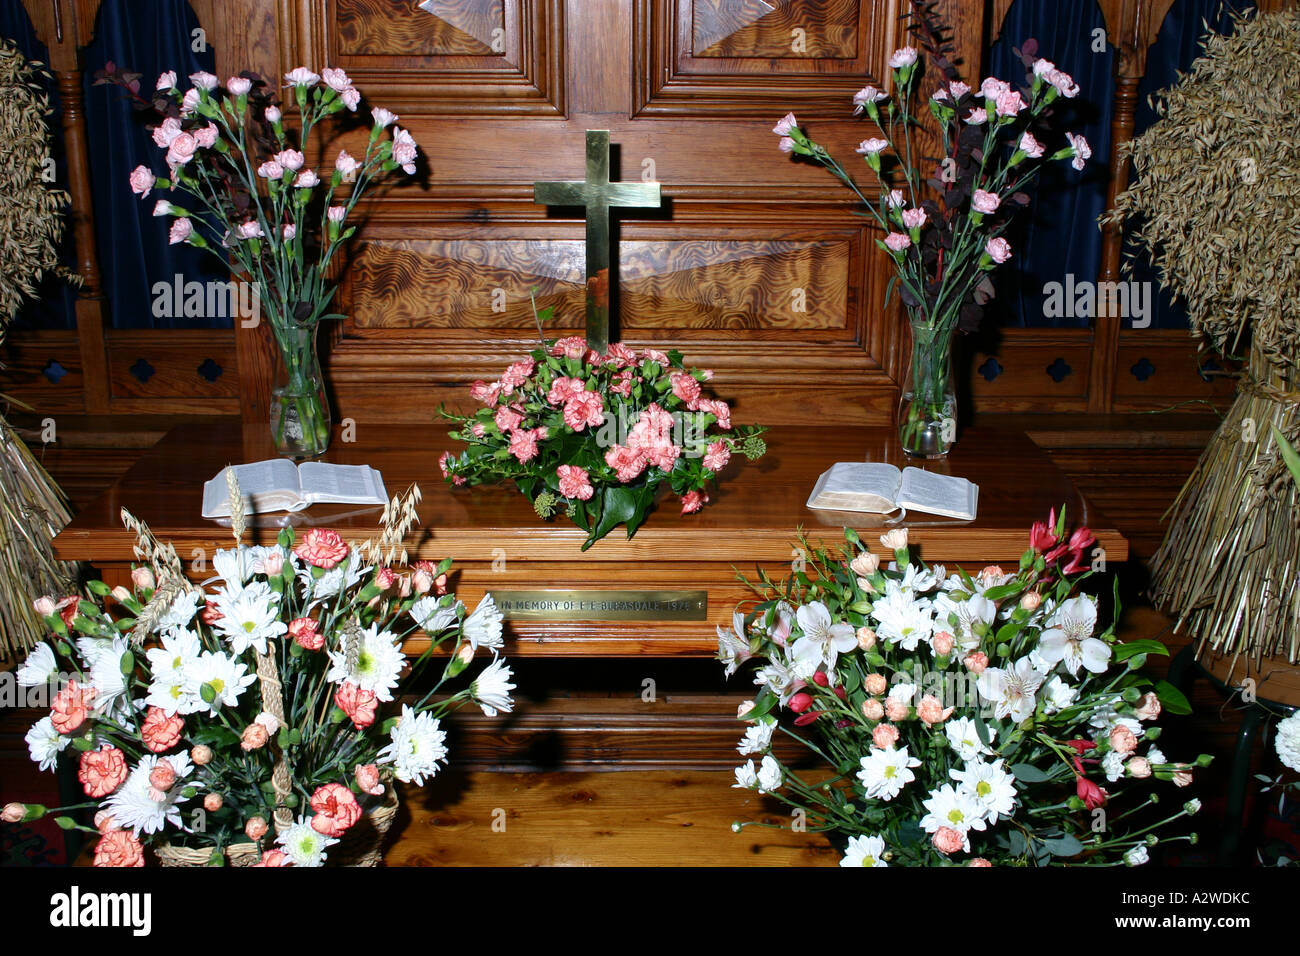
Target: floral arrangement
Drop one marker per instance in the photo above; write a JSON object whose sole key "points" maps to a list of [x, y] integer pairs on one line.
{"points": [[956, 720], [944, 232], [253, 197], [256, 719], [596, 435]]}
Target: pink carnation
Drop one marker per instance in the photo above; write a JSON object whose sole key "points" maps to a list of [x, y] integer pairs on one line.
{"points": [[574, 482], [985, 201], [517, 374], [716, 456], [181, 150], [693, 501], [998, 249], [359, 704], [574, 347], [1010, 103], [336, 810], [785, 124], [523, 444], [898, 241], [627, 464], [685, 386], [563, 389], [583, 409], [321, 547], [483, 392], [102, 771], [142, 180], [947, 840], [507, 419], [161, 731]]}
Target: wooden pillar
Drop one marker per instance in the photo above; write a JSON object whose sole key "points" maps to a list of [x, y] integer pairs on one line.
{"points": [[64, 26]]}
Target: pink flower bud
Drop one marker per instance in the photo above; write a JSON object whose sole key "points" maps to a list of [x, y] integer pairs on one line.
{"points": [[1148, 707], [872, 709], [254, 737], [800, 702], [142, 579], [976, 662], [273, 114], [1139, 767], [943, 642], [367, 777], [44, 606], [423, 581], [201, 754], [876, 684], [13, 812], [1030, 600], [121, 594], [896, 709], [239, 85], [255, 828], [213, 802], [884, 736]]}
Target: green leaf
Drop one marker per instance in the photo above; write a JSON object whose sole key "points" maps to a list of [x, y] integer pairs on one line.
{"points": [[1064, 846], [1027, 773], [996, 594], [1123, 652], [619, 506], [981, 728], [99, 587], [1289, 454], [1172, 698], [1017, 846]]}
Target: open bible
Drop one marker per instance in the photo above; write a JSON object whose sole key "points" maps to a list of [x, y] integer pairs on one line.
{"points": [[880, 488], [277, 484]]}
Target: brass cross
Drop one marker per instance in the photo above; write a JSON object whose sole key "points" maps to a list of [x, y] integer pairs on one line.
{"points": [[597, 194]]}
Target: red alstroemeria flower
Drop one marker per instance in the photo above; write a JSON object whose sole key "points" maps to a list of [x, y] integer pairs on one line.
{"points": [[1092, 795]]}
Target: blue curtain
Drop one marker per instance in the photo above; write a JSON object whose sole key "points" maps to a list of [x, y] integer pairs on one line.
{"points": [[54, 307], [1177, 45], [1057, 235], [134, 254]]}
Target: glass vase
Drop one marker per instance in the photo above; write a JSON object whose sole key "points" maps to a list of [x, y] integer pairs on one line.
{"points": [[300, 411], [927, 411]]}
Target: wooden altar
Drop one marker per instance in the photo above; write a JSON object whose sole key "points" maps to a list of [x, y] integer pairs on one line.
{"points": [[499, 543]]}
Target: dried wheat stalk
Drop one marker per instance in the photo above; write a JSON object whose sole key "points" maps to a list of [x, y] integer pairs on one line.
{"points": [[1217, 187]]}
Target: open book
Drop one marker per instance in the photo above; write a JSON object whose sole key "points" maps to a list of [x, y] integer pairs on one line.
{"points": [[277, 484], [879, 488]]}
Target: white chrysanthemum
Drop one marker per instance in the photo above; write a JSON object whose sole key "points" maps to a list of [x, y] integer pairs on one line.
{"points": [[1011, 690], [38, 668], [1058, 695], [989, 785], [106, 676], [417, 746], [250, 617], [885, 773], [758, 738], [180, 612], [823, 640], [226, 676], [1136, 856], [955, 809], [491, 689], [431, 616], [483, 627], [378, 665], [902, 619], [91, 649], [303, 845], [1113, 765], [902, 692], [134, 805], [965, 739], [769, 775], [338, 578], [1069, 639], [45, 743], [864, 851], [170, 666], [1287, 742]]}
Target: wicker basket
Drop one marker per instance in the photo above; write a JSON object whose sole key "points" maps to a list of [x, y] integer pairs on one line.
{"points": [[362, 845]]}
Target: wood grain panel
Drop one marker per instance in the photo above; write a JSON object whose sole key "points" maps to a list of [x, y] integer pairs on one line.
{"points": [[1158, 368], [189, 363], [685, 284], [797, 29], [431, 28]]}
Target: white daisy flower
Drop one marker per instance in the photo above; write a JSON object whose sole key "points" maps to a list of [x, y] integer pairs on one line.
{"points": [[903, 620], [180, 612], [902, 692], [1011, 690], [965, 739], [758, 738], [378, 666], [864, 851], [1068, 638], [483, 627], [885, 773], [133, 805], [955, 809], [179, 649], [303, 845], [491, 689], [249, 617], [417, 746], [823, 641], [226, 676], [769, 775], [431, 616], [989, 785], [38, 668], [45, 743]]}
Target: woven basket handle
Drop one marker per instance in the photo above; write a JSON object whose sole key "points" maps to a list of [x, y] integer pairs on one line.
{"points": [[268, 679]]}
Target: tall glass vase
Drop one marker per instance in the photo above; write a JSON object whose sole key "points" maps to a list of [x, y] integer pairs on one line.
{"points": [[300, 411], [927, 411]]}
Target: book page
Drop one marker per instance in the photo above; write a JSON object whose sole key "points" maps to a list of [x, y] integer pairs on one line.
{"points": [[342, 483], [946, 495], [856, 486], [270, 485]]}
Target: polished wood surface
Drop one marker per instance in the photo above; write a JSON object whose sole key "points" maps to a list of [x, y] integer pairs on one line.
{"points": [[499, 543]]}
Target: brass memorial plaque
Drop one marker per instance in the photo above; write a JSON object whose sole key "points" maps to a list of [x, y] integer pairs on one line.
{"points": [[571, 605]]}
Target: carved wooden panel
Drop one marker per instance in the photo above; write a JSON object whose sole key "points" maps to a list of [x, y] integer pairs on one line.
{"points": [[439, 57], [666, 286], [720, 57]]}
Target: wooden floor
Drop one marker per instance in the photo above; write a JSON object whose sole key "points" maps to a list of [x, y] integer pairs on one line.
{"points": [[633, 818]]}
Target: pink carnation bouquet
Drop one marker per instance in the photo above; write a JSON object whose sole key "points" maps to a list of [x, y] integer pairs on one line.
{"points": [[261, 715], [595, 436]]}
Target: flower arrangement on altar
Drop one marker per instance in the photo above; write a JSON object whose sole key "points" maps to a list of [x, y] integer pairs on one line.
{"points": [[957, 720], [595, 436], [255, 200], [943, 231], [257, 720]]}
